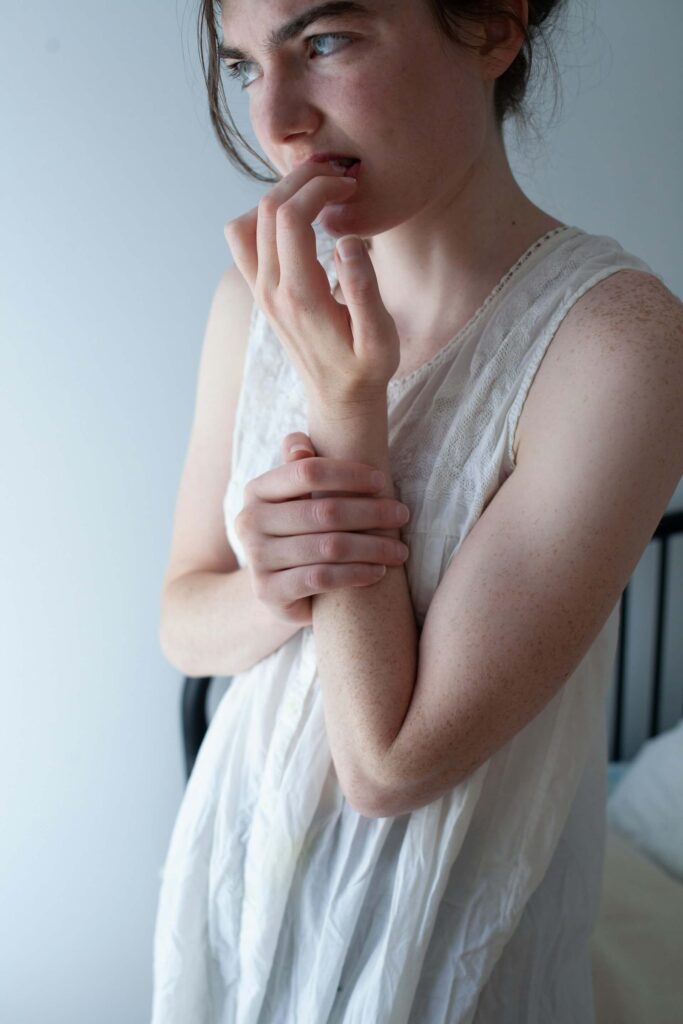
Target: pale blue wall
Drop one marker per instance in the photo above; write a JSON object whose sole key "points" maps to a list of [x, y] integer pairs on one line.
{"points": [[113, 197]]}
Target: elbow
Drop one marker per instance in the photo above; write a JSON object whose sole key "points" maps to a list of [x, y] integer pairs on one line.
{"points": [[172, 653], [366, 806], [169, 637], [167, 649], [405, 787], [363, 796]]}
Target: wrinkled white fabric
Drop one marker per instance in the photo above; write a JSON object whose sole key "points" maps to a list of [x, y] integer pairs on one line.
{"points": [[280, 904]]}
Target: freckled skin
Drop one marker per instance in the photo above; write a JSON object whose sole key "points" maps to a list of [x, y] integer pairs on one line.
{"points": [[536, 579]]}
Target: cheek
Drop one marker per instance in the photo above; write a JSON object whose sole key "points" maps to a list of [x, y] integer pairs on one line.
{"points": [[381, 111], [357, 101], [407, 107]]}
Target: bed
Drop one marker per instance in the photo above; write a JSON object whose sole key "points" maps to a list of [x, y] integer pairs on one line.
{"points": [[637, 943]]}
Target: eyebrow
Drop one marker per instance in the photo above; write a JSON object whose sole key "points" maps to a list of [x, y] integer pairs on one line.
{"points": [[295, 26]]}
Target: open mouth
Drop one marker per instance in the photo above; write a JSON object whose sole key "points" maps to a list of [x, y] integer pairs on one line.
{"points": [[351, 164]]}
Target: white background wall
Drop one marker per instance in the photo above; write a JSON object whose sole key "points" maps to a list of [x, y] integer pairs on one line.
{"points": [[113, 197]]}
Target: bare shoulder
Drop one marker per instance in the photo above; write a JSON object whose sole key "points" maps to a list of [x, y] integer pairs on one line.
{"points": [[630, 315]]}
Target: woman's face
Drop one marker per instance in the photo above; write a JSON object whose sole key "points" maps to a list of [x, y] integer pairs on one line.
{"points": [[390, 90]]}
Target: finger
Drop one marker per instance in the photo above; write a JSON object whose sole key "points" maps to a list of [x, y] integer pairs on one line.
{"points": [[362, 297], [338, 547], [240, 234], [315, 473], [317, 579], [320, 515], [297, 253], [266, 228], [282, 588], [297, 446]]}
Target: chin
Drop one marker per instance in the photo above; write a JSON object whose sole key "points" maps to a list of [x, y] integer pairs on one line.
{"points": [[337, 219]]}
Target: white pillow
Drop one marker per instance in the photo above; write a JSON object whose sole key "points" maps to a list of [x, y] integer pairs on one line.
{"points": [[647, 804]]}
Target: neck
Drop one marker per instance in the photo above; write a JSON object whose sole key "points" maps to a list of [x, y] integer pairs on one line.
{"points": [[455, 250]]}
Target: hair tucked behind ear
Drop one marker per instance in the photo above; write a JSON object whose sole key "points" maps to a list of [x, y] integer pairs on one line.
{"points": [[509, 88], [451, 16]]}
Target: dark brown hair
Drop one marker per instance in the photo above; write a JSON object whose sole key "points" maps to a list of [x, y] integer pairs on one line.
{"points": [[450, 15]]}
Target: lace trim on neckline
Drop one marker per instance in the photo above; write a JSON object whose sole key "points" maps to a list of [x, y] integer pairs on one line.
{"points": [[397, 383]]}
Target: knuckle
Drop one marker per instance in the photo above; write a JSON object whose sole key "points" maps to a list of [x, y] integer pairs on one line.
{"points": [[267, 205], [325, 511], [310, 579], [365, 287], [244, 522], [286, 215], [305, 473], [319, 577], [332, 547], [233, 231]]}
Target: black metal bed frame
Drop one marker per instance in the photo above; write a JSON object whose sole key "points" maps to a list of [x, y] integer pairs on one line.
{"points": [[194, 712], [671, 523]]}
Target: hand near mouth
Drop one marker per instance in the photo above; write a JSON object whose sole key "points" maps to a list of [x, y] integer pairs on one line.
{"points": [[343, 353]]}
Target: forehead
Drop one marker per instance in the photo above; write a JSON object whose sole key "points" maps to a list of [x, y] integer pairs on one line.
{"points": [[286, 19]]}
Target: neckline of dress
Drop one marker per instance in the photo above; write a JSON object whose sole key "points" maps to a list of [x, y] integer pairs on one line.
{"points": [[398, 382]]}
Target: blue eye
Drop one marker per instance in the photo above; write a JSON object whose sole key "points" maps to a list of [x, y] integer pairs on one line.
{"points": [[235, 70]]}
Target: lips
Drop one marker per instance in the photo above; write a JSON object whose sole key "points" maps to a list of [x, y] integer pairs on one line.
{"points": [[352, 171], [323, 158], [328, 157]]}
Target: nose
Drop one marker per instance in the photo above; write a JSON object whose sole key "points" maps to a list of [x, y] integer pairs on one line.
{"points": [[282, 114]]}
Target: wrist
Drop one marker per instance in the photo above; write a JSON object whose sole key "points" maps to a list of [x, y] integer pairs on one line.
{"points": [[357, 434], [348, 409], [351, 430]]}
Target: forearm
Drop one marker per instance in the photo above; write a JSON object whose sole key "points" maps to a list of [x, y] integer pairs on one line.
{"points": [[212, 624], [365, 637]]}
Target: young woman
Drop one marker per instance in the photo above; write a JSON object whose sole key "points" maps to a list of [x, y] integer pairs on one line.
{"points": [[398, 811]]}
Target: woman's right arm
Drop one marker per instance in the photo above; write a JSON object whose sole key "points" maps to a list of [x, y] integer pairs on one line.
{"points": [[211, 623]]}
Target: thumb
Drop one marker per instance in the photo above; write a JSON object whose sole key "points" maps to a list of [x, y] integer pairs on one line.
{"points": [[359, 285], [297, 446]]}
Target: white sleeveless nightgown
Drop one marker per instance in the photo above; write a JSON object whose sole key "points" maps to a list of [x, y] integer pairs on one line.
{"points": [[280, 904]]}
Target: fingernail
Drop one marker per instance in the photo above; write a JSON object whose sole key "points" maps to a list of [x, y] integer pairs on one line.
{"points": [[299, 448], [350, 247]]}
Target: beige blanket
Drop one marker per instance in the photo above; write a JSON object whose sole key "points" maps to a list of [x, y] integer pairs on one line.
{"points": [[637, 944]]}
